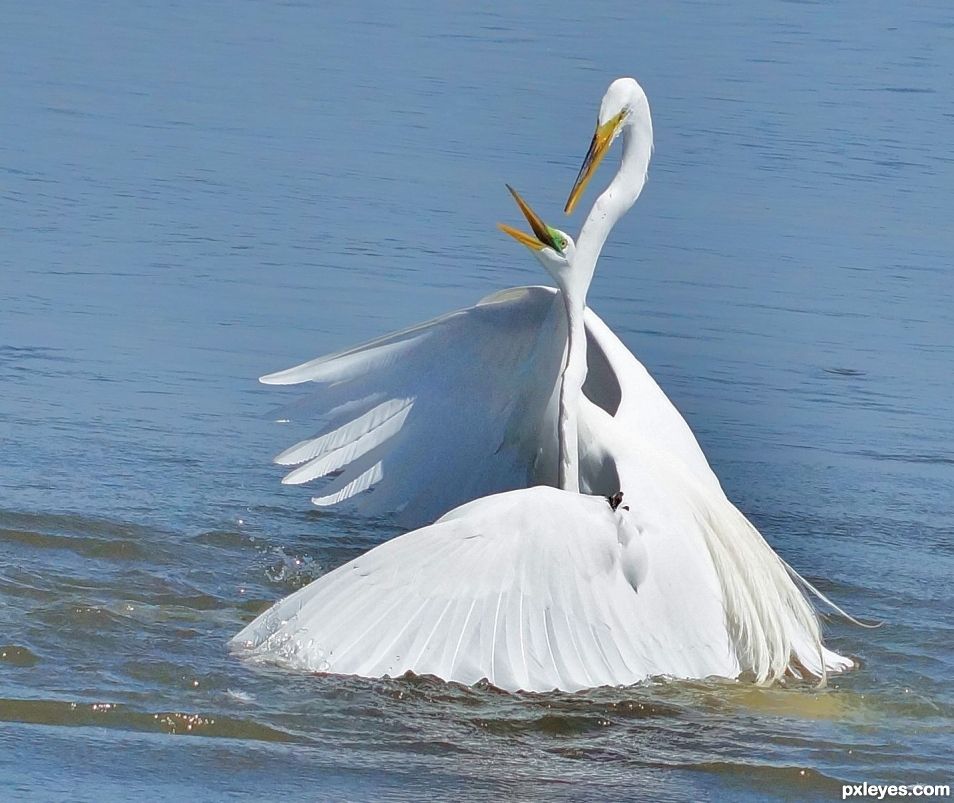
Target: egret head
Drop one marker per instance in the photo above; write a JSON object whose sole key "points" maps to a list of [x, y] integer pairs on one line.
{"points": [[553, 248], [624, 99]]}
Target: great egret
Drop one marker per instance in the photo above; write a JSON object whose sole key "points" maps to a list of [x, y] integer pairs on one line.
{"points": [[541, 588]]}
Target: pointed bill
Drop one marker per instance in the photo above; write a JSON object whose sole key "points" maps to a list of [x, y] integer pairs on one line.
{"points": [[599, 145], [524, 239], [541, 237]]}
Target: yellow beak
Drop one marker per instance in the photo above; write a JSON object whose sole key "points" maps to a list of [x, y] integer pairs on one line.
{"points": [[602, 139], [541, 237]]}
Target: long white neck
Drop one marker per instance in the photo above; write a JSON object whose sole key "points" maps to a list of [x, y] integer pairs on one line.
{"points": [[609, 208], [571, 387], [622, 192]]}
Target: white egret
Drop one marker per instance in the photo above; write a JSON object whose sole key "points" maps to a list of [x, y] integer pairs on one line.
{"points": [[541, 588]]}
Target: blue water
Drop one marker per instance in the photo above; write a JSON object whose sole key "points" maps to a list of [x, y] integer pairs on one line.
{"points": [[195, 194]]}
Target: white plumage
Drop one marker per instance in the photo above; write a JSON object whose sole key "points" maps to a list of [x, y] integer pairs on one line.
{"points": [[537, 589], [469, 409], [704, 567], [442, 413], [533, 588]]}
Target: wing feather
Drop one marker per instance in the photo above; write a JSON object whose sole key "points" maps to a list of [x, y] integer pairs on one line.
{"points": [[461, 403], [457, 599], [471, 395], [375, 432], [361, 476], [356, 428], [377, 355]]}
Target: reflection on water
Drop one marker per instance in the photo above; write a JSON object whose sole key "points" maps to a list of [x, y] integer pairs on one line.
{"points": [[192, 199]]}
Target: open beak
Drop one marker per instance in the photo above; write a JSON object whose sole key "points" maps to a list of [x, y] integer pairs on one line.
{"points": [[541, 237], [602, 139]]}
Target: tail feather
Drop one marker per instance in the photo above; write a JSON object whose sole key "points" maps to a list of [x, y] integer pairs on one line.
{"points": [[773, 625], [834, 606]]}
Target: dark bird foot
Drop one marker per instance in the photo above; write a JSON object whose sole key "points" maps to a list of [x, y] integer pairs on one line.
{"points": [[616, 500]]}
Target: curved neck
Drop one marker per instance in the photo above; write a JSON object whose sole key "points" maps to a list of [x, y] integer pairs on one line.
{"points": [[571, 387], [609, 208], [621, 194]]}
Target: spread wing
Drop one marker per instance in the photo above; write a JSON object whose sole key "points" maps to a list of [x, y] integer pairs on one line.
{"points": [[435, 415], [540, 589], [618, 385], [536, 589], [463, 406]]}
